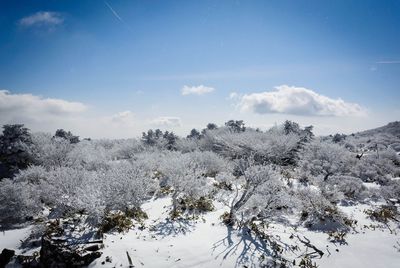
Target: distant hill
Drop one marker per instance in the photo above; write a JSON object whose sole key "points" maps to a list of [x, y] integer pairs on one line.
{"points": [[387, 136], [393, 128]]}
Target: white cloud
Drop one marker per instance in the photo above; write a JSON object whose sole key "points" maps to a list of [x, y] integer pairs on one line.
{"points": [[233, 95], [199, 90], [28, 107], [42, 18], [166, 121], [298, 101], [126, 117]]}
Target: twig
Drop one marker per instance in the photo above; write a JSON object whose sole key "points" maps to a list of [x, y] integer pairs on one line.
{"points": [[129, 260], [307, 243]]}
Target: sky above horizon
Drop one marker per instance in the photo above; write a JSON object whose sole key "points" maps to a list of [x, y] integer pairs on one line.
{"points": [[112, 69]]}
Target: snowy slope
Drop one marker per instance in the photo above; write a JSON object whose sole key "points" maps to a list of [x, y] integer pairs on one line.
{"points": [[208, 243]]}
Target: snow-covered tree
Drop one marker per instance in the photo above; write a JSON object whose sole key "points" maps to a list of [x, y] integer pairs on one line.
{"points": [[16, 148], [291, 127], [235, 125], [163, 140], [338, 138], [170, 140], [194, 134], [61, 133]]}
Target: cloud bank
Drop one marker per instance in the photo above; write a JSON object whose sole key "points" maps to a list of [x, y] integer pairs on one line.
{"points": [[166, 121], [42, 18], [27, 107], [297, 101], [199, 90]]}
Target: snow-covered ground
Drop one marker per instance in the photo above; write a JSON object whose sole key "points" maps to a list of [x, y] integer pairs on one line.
{"points": [[205, 242], [200, 243], [12, 238]]}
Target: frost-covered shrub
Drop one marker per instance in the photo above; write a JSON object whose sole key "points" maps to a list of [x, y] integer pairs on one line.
{"points": [[267, 147], [330, 192], [32, 175], [51, 152], [118, 221], [19, 200], [318, 212], [391, 155], [255, 194], [184, 176], [189, 204], [150, 161], [126, 185], [383, 213], [270, 199], [351, 187], [370, 168], [324, 159], [88, 155], [210, 162], [340, 187], [71, 190], [395, 146], [122, 186], [125, 149], [187, 145], [391, 190]]}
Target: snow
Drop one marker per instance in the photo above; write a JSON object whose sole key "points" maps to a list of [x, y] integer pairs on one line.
{"points": [[371, 185], [11, 239], [184, 244], [368, 248], [205, 242]]}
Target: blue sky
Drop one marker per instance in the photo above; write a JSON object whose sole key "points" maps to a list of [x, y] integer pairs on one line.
{"points": [[126, 62]]}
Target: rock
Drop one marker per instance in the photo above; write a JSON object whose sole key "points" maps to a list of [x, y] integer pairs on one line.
{"points": [[6, 256], [60, 250], [28, 261], [94, 247], [108, 259], [58, 255]]}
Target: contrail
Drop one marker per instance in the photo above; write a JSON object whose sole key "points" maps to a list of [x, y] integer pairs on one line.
{"points": [[114, 12], [389, 62]]}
